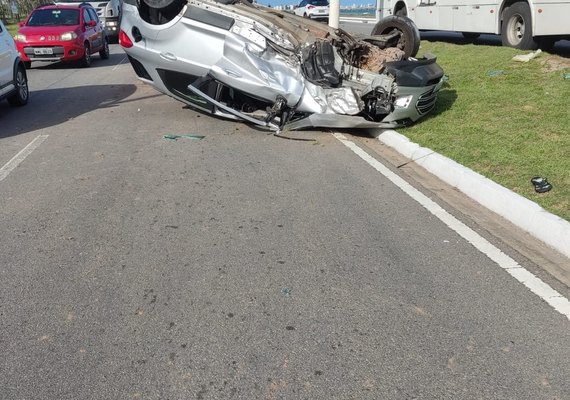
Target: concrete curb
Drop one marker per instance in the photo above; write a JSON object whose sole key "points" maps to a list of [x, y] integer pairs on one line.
{"points": [[527, 215]]}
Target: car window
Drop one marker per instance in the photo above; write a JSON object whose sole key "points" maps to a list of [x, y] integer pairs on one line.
{"points": [[53, 17], [93, 14], [86, 16], [319, 3], [303, 3]]}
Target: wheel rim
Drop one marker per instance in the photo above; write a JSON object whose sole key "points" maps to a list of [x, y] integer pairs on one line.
{"points": [[22, 84], [87, 55], [516, 29]]}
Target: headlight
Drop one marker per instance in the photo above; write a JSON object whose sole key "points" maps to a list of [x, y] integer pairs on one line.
{"points": [[111, 23], [18, 37], [68, 36], [403, 102]]}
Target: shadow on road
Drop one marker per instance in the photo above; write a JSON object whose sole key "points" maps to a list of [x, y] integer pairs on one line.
{"points": [[54, 106]]}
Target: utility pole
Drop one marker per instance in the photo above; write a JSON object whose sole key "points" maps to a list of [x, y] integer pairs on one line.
{"points": [[334, 13]]}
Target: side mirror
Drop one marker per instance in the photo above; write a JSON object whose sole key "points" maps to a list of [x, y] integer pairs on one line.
{"points": [[21, 23], [92, 23]]}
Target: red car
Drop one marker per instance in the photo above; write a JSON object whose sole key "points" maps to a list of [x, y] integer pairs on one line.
{"points": [[61, 33]]}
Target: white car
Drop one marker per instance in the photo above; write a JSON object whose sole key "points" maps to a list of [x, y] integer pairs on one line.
{"points": [[243, 61], [13, 78], [314, 9]]}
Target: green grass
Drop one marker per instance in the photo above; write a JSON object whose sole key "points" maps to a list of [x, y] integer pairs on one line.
{"points": [[12, 28], [508, 127]]}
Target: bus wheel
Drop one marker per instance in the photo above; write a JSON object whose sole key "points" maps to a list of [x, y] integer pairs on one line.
{"points": [[516, 30], [409, 40]]}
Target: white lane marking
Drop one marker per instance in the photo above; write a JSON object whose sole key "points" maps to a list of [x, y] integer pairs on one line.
{"points": [[21, 156], [119, 64], [531, 281]]}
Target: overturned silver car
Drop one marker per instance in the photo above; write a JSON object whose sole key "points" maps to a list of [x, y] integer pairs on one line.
{"points": [[247, 62]]}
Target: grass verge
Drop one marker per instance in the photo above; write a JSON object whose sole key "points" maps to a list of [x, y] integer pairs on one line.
{"points": [[507, 120]]}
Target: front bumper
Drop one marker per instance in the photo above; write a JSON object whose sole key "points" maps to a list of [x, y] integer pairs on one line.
{"points": [[111, 26], [53, 52]]}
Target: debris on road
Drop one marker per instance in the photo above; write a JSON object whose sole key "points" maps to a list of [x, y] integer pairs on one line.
{"points": [[495, 72], [189, 136], [527, 57], [541, 185]]}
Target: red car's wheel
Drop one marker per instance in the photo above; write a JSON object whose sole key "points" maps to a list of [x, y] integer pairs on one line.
{"points": [[86, 60]]}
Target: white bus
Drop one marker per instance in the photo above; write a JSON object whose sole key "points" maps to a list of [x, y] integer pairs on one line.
{"points": [[524, 24]]}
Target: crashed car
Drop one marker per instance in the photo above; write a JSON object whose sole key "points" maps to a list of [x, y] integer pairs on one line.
{"points": [[271, 68]]}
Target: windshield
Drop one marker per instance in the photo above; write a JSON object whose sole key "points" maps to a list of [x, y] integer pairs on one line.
{"points": [[54, 17], [319, 3]]}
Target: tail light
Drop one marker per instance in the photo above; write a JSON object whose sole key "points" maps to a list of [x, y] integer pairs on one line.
{"points": [[310, 7], [125, 40]]}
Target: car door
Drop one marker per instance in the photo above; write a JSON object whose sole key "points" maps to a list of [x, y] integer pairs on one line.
{"points": [[301, 9], [90, 31], [6, 68], [98, 28]]}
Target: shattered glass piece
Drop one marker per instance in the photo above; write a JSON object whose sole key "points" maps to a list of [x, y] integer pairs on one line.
{"points": [[495, 72], [189, 136]]}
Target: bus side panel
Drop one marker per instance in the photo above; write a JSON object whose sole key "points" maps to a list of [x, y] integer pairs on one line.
{"points": [[426, 17], [430, 15], [476, 18], [554, 18]]}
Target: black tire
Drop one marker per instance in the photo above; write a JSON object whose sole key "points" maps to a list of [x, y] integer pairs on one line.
{"points": [[516, 30], [470, 35], [104, 53], [22, 94], [27, 64], [86, 60], [158, 12], [159, 4], [409, 40]]}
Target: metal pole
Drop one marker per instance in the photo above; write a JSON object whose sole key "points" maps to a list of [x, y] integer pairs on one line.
{"points": [[334, 13]]}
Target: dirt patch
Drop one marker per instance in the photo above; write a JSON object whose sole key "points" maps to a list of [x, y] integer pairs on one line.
{"points": [[554, 63]]}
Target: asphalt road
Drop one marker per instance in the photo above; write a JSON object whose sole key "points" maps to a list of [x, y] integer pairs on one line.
{"points": [[240, 266]]}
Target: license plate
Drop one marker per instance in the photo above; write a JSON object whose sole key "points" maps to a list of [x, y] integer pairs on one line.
{"points": [[321, 11], [46, 50]]}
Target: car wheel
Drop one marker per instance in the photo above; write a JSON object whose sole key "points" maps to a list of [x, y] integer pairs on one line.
{"points": [[516, 30], [22, 94], [104, 53], [305, 15], [470, 35], [158, 12], [86, 60], [27, 64], [409, 40]]}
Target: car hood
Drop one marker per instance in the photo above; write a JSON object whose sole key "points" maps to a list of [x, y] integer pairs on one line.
{"points": [[37, 31]]}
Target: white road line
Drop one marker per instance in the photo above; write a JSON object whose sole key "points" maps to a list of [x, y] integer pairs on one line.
{"points": [[119, 64], [531, 281], [21, 156]]}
